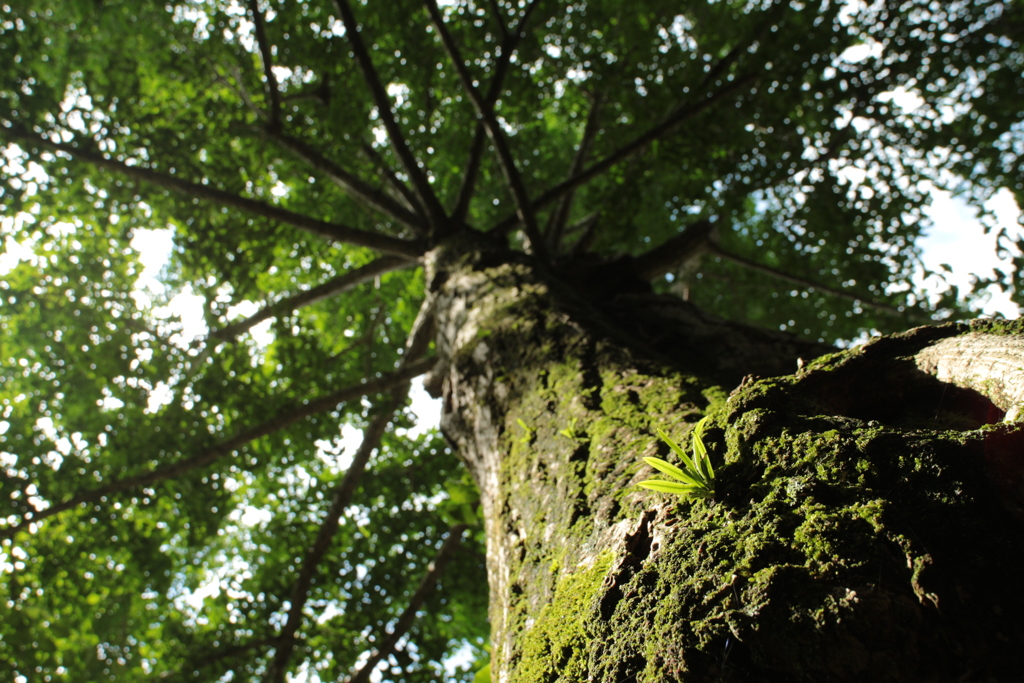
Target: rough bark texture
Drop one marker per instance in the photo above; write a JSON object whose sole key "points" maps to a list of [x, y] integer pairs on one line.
{"points": [[866, 524]]}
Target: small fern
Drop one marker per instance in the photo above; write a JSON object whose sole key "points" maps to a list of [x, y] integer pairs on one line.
{"points": [[696, 479]]}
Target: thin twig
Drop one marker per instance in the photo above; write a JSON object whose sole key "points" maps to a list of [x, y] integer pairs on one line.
{"points": [[510, 43], [499, 19], [804, 282], [206, 457], [272, 88], [341, 233], [527, 216], [560, 215], [332, 287], [588, 227], [637, 144], [340, 499], [425, 194], [408, 617], [670, 253], [415, 346], [469, 176], [397, 186], [348, 182]]}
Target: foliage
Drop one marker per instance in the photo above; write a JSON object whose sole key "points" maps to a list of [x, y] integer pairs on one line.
{"points": [[187, 499], [695, 479]]}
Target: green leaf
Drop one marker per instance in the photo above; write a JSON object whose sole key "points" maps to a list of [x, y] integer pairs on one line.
{"points": [[674, 472], [676, 488], [690, 465]]}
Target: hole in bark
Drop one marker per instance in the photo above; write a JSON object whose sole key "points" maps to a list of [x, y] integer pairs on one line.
{"points": [[900, 395], [609, 601]]}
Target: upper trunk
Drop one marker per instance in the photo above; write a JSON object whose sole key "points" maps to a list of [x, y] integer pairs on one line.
{"points": [[856, 532]]}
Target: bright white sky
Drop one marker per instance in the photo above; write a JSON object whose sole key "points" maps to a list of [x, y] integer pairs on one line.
{"points": [[957, 238]]}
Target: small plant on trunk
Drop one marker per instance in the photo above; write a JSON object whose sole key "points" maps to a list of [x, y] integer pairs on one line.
{"points": [[696, 479]]}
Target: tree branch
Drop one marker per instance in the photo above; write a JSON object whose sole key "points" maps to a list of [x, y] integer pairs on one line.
{"points": [[332, 287], [502, 28], [206, 457], [416, 344], [397, 186], [425, 194], [348, 182], [804, 282], [664, 257], [272, 88], [663, 129], [334, 231], [469, 176], [588, 227], [560, 215], [434, 571], [510, 42], [340, 500], [534, 243]]}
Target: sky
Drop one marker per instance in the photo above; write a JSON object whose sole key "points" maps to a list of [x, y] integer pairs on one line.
{"points": [[958, 239]]}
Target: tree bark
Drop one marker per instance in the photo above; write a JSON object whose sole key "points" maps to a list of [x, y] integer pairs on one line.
{"points": [[866, 523]]}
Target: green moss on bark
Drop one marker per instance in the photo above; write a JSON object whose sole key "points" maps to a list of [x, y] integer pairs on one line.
{"points": [[554, 647], [859, 530]]}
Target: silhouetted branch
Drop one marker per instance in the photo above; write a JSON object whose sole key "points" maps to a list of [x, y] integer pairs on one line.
{"points": [[670, 253], [804, 282], [334, 231], [502, 28], [469, 176], [510, 42], [206, 457], [272, 88], [560, 214], [348, 182], [421, 185], [416, 344], [434, 571], [588, 227], [397, 186], [534, 243], [667, 126], [340, 500], [332, 287]]}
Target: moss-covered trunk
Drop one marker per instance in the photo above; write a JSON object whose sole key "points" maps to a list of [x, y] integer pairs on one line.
{"points": [[865, 524]]}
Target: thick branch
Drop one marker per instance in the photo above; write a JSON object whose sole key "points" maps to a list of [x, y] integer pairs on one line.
{"points": [[804, 282], [340, 500], [348, 182], [206, 457], [420, 184], [332, 287], [510, 43], [272, 88], [663, 129], [514, 181], [434, 571], [560, 215], [334, 231], [670, 253]]}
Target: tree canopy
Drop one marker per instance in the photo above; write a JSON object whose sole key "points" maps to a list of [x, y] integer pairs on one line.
{"points": [[186, 507]]}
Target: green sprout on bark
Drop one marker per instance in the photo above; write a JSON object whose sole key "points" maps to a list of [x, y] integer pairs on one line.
{"points": [[696, 479]]}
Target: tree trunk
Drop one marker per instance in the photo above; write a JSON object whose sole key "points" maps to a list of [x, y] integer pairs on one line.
{"points": [[866, 522]]}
